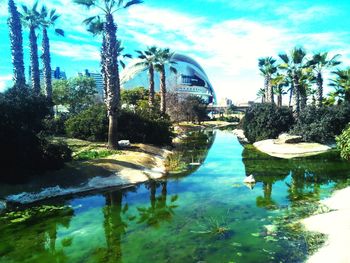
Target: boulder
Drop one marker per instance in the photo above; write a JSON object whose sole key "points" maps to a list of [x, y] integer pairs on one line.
{"points": [[287, 138], [124, 143]]}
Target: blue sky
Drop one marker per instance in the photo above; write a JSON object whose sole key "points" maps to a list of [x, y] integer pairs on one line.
{"points": [[225, 36]]}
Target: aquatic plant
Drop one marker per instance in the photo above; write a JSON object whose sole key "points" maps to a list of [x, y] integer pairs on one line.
{"points": [[214, 226]]}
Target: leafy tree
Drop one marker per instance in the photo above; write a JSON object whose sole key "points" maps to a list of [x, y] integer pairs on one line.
{"points": [[134, 96], [278, 84], [341, 83], [294, 64], [109, 58], [268, 68], [343, 143], [148, 60], [15, 28], [76, 94], [164, 57], [319, 63], [195, 109], [31, 19], [49, 19]]}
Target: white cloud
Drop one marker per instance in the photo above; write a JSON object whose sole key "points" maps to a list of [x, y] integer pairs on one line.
{"points": [[76, 51], [4, 82]]}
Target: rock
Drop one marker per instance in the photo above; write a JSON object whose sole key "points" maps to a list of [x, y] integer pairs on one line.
{"points": [[249, 180], [124, 143], [287, 138]]}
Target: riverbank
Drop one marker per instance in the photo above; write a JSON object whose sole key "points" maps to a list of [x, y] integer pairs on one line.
{"points": [[290, 150], [335, 224], [136, 164]]}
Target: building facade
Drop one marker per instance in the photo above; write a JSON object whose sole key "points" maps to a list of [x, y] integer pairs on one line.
{"points": [[190, 78], [98, 79]]}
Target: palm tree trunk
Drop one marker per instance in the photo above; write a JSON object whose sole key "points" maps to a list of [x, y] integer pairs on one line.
{"points": [[296, 97], [151, 85], [47, 65], [103, 72], [16, 39], [162, 91], [319, 94], [267, 90], [112, 80], [279, 100], [291, 94], [34, 61]]}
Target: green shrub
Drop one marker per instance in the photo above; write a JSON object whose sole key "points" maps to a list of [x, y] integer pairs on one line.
{"points": [[24, 151], [91, 124], [229, 119], [93, 154], [343, 143], [322, 124], [55, 126], [266, 121], [142, 126]]}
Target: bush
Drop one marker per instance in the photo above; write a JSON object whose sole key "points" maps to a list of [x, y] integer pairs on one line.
{"points": [[343, 143], [322, 124], [91, 124], [55, 126], [142, 126], [266, 121], [24, 152], [229, 119]]}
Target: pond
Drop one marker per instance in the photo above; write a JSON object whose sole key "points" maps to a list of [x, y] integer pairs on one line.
{"points": [[205, 215]]}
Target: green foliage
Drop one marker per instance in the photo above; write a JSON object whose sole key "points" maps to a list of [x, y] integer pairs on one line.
{"points": [[91, 124], [134, 96], [195, 109], [229, 119], [343, 143], [93, 154], [55, 126], [21, 138], [143, 126], [76, 94], [322, 124], [266, 121]]}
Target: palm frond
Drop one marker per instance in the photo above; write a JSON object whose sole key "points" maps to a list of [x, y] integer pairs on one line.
{"points": [[86, 3], [133, 2]]}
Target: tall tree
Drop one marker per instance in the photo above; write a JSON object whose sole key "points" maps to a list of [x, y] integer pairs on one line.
{"points": [[148, 60], [268, 68], [293, 64], [48, 20], [278, 84], [319, 63], [261, 94], [15, 28], [109, 58], [341, 83], [164, 58], [31, 19]]}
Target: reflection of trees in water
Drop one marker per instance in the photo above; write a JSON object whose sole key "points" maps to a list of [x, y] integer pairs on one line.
{"points": [[159, 210], [307, 174], [194, 148], [36, 235]]}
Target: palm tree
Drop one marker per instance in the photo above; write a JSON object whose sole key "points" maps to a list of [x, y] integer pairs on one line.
{"points": [[109, 58], [278, 83], [48, 20], [31, 19], [148, 60], [164, 57], [293, 64], [15, 28], [305, 83], [319, 63], [268, 68], [342, 84], [261, 94]]}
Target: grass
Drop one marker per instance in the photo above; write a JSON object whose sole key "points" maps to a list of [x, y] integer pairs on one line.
{"points": [[93, 154]]}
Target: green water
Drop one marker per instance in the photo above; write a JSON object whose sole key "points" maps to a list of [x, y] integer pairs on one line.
{"points": [[208, 215]]}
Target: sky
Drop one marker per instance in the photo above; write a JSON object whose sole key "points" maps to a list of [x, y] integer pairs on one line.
{"points": [[227, 37]]}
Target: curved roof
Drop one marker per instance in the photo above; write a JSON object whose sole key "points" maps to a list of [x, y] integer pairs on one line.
{"points": [[131, 70]]}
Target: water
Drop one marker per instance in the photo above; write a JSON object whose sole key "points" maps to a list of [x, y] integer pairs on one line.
{"points": [[206, 215]]}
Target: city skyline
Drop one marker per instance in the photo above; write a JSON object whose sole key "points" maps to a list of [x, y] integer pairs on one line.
{"points": [[227, 42]]}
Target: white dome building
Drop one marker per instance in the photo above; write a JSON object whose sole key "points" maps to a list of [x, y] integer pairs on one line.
{"points": [[190, 78]]}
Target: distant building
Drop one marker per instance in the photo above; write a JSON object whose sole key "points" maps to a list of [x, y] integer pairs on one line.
{"points": [[55, 74], [98, 79], [225, 102]]}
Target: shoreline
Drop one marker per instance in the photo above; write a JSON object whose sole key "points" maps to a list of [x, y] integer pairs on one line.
{"points": [[131, 167], [335, 224]]}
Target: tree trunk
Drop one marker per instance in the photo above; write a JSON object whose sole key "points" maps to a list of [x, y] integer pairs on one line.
{"points": [[319, 93], [279, 100], [103, 72], [162, 91], [34, 61], [16, 39], [112, 80], [47, 65], [267, 90], [151, 85], [296, 97], [291, 94]]}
